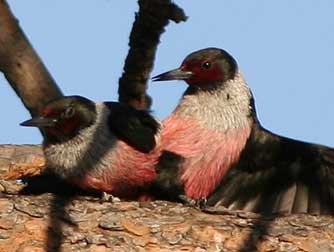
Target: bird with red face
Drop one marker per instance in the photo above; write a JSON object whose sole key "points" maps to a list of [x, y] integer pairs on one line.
{"points": [[214, 148], [102, 146]]}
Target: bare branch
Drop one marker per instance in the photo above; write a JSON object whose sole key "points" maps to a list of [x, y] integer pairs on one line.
{"points": [[149, 24], [21, 65]]}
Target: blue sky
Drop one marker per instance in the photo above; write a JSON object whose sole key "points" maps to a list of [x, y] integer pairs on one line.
{"points": [[284, 48]]}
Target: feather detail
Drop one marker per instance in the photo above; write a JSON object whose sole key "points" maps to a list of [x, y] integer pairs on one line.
{"points": [[97, 159], [286, 200], [130, 171], [200, 147], [278, 175], [227, 156]]}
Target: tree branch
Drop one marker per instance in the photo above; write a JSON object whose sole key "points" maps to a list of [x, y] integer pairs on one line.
{"points": [[21, 65], [52, 222], [17, 161], [147, 28], [89, 225]]}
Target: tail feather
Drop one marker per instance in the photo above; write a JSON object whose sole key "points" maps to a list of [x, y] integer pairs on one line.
{"points": [[251, 204], [300, 204], [267, 202], [276, 206], [314, 203], [287, 199]]}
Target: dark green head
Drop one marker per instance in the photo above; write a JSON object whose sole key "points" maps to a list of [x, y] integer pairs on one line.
{"points": [[203, 67], [63, 118]]}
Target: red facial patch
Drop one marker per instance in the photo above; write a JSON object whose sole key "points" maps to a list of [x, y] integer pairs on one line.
{"points": [[202, 75], [49, 112], [64, 126], [69, 125]]}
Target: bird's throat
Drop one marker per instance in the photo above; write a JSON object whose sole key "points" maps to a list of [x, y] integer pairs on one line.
{"points": [[223, 107]]}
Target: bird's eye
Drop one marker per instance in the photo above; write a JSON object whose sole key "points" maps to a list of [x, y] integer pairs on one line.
{"points": [[206, 65], [68, 113]]}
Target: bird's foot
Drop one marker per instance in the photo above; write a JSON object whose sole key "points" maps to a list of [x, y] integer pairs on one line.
{"points": [[199, 203], [107, 197]]}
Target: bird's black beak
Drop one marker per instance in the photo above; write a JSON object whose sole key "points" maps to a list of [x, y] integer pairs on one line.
{"points": [[176, 74], [40, 122]]}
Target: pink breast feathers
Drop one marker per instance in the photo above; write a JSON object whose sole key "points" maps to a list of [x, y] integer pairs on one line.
{"points": [[124, 174], [208, 153]]}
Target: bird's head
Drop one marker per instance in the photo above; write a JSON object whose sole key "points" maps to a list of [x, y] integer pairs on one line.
{"points": [[204, 67], [63, 118]]}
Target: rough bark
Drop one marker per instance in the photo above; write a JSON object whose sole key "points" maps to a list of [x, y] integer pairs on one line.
{"points": [[65, 221], [54, 223], [17, 161], [21, 65], [147, 28]]}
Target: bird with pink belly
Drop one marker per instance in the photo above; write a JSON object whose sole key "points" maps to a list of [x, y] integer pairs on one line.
{"points": [[104, 146], [214, 148]]}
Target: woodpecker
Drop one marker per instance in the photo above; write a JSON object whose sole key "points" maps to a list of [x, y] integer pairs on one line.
{"points": [[215, 149], [101, 146]]}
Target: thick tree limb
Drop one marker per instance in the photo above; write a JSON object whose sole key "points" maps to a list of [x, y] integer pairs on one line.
{"points": [[17, 161], [89, 225], [149, 24], [49, 222], [21, 65]]}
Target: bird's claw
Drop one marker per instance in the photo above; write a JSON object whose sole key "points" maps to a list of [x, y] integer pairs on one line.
{"points": [[199, 203], [106, 197]]}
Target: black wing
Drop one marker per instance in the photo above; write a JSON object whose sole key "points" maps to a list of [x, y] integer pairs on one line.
{"points": [[135, 127], [167, 186], [277, 174]]}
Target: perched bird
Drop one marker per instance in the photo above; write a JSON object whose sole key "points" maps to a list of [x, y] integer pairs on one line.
{"points": [[102, 146], [214, 148]]}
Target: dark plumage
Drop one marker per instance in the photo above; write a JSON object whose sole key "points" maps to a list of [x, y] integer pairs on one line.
{"points": [[136, 127], [278, 174], [102, 146], [222, 154]]}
